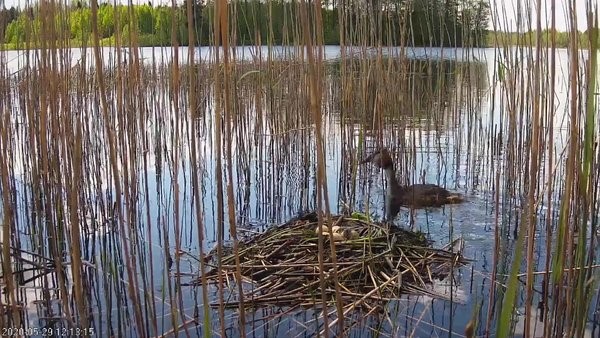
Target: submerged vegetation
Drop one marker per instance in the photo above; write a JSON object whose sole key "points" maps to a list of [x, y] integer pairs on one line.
{"points": [[129, 188]]}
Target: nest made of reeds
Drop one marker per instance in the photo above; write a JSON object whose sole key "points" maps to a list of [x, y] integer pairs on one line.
{"points": [[375, 262]]}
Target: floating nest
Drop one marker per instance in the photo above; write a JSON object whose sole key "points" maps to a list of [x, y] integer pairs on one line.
{"points": [[375, 262]]}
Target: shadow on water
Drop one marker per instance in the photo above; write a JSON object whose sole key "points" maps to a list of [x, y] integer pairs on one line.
{"points": [[437, 117]]}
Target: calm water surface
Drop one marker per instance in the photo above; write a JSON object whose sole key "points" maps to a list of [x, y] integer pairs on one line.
{"points": [[441, 125]]}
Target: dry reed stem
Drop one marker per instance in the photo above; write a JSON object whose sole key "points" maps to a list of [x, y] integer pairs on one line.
{"points": [[132, 275]]}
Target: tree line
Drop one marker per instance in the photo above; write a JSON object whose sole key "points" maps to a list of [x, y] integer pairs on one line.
{"points": [[561, 39], [375, 22]]}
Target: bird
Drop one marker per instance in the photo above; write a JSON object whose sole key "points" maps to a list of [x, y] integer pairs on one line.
{"points": [[414, 196], [339, 233]]}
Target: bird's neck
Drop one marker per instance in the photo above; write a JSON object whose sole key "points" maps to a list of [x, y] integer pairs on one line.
{"points": [[391, 177]]}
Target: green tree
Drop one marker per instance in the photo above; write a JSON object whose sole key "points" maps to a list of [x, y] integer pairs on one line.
{"points": [[6, 17], [16, 30], [162, 24], [80, 23], [430, 22], [145, 19], [106, 21]]}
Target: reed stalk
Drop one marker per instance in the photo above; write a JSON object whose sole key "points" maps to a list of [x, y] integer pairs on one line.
{"points": [[585, 283], [220, 224], [550, 177], [222, 31], [531, 211], [207, 330], [117, 167], [315, 108], [7, 271], [131, 276]]}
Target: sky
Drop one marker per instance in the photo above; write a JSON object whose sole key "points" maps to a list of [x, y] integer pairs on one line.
{"points": [[503, 12]]}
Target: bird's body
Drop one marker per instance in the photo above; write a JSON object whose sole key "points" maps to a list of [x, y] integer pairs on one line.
{"points": [[411, 196]]}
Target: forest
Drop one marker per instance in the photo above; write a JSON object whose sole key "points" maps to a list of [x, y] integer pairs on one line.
{"points": [[394, 22]]}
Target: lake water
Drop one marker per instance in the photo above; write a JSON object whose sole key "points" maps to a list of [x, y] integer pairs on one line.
{"points": [[17, 59], [442, 116]]}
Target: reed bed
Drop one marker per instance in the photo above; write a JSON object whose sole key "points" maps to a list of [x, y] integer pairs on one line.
{"points": [[377, 262], [114, 164]]}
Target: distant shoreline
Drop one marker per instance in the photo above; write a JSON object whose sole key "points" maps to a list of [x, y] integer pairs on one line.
{"points": [[8, 49], [504, 39]]}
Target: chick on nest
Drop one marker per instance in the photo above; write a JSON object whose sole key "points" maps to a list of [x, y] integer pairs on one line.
{"points": [[339, 233]]}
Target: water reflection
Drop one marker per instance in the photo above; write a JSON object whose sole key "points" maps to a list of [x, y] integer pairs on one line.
{"points": [[16, 61], [434, 114]]}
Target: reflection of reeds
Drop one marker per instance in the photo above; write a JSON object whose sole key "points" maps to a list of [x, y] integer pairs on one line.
{"points": [[132, 281], [141, 147], [313, 44], [565, 298], [151, 142], [192, 104]]}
